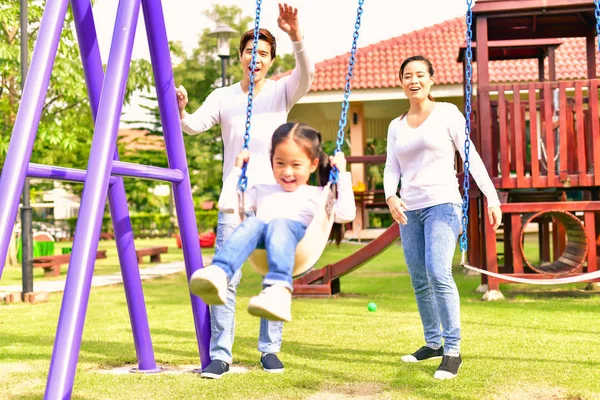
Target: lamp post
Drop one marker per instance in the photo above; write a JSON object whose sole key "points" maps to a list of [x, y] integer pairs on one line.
{"points": [[26, 229], [223, 33]]}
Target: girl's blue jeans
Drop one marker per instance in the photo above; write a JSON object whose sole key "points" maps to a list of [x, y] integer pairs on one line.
{"points": [[222, 317], [278, 237], [429, 241]]}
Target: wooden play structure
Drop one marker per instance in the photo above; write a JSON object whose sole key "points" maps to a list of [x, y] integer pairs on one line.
{"points": [[540, 141]]}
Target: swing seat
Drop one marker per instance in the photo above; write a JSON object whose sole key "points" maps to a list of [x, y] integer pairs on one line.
{"points": [[313, 243]]}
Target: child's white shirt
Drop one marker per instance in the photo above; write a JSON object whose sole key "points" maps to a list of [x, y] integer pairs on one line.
{"points": [[270, 201]]}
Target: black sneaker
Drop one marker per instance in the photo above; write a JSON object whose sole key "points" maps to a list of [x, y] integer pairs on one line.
{"points": [[215, 370], [449, 367], [424, 353], [271, 363]]}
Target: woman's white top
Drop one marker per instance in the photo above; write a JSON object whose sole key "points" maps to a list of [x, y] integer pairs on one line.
{"points": [[422, 160]]}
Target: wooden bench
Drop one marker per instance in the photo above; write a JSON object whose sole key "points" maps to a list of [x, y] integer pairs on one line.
{"points": [[153, 252], [371, 199], [51, 264]]}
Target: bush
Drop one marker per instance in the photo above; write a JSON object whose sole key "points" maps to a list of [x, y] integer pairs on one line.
{"points": [[155, 225]]}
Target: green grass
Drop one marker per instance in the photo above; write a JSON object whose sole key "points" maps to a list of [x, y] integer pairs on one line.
{"points": [[540, 343], [110, 265]]}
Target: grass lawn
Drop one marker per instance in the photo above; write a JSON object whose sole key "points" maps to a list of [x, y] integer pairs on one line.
{"points": [[540, 343], [109, 265]]}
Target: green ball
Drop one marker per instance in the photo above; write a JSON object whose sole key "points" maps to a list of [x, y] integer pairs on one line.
{"points": [[372, 306]]}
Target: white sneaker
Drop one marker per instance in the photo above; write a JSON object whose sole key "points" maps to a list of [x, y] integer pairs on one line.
{"points": [[210, 284], [273, 303]]}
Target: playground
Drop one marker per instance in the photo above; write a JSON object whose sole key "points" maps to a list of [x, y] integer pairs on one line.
{"points": [[354, 309], [536, 344]]}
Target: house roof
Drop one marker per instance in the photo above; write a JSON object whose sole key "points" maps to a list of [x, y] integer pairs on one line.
{"points": [[135, 139], [377, 65]]}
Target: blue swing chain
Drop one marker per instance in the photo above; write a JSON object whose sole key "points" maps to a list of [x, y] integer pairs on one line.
{"points": [[597, 12], [243, 181], [334, 174], [468, 92]]}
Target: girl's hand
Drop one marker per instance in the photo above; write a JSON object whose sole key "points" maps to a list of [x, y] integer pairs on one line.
{"points": [[495, 216], [397, 208], [339, 161], [241, 158], [288, 21], [182, 99]]}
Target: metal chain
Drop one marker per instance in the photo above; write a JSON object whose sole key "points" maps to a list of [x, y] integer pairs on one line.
{"points": [[597, 12], [243, 181], [334, 174], [468, 92]]}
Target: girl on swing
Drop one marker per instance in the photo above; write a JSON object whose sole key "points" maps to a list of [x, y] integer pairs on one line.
{"points": [[283, 212]]}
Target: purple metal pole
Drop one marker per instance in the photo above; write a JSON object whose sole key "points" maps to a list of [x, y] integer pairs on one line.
{"points": [[59, 173], [28, 119], [81, 267], [94, 76], [147, 172], [167, 102]]}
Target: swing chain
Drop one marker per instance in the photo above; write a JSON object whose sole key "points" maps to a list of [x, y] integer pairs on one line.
{"points": [[243, 181], [468, 110], [334, 174], [597, 12]]}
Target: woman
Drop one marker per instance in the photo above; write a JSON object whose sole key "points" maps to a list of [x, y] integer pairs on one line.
{"points": [[227, 106], [420, 156]]}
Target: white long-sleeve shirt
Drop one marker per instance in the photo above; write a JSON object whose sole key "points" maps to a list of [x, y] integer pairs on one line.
{"points": [[270, 201], [227, 106], [422, 160]]}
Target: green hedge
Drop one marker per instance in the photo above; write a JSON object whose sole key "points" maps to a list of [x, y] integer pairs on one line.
{"points": [[155, 225]]}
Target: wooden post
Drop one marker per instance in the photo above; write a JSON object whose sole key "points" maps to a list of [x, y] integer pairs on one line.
{"points": [[590, 50], [551, 65], [357, 148]]}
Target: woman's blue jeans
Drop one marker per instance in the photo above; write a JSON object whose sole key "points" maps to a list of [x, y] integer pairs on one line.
{"points": [[429, 241]]}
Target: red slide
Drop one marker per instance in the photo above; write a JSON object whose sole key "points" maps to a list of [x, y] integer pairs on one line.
{"points": [[325, 281]]}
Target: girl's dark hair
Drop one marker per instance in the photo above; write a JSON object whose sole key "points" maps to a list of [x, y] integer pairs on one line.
{"points": [[429, 69], [308, 139], [263, 34]]}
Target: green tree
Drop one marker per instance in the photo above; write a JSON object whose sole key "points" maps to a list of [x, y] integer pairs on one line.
{"points": [[65, 131]]}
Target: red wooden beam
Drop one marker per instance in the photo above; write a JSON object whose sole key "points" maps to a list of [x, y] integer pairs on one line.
{"points": [[547, 205]]}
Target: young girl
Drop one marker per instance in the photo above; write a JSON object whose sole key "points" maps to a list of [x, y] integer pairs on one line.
{"points": [[283, 212]]}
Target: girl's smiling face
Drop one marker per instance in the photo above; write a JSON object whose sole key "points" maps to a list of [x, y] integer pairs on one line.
{"points": [[291, 165]]}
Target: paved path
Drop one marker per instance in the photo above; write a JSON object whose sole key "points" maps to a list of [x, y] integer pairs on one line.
{"points": [[104, 280]]}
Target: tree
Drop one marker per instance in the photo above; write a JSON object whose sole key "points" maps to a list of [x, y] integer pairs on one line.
{"points": [[65, 131]]}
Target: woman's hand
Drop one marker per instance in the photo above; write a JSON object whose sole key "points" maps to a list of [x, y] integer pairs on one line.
{"points": [[288, 21], [241, 158], [339, 161], [397, 208], [495, 216], [182, 99]]}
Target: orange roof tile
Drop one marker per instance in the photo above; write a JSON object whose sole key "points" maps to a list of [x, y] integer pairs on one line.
{"points": [[377, 65], [135, 139]]}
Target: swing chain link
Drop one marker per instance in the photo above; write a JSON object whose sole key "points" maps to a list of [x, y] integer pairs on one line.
{"points": [[334, 174], [243, 181], [597, 12], [468, 94]]}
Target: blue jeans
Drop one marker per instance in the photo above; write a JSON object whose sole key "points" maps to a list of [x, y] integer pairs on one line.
{"points": [[279, 238], [429, 241], [222, 318]]}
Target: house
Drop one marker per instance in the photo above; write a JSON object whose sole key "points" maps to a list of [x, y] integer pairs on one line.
{"points": [[377, 97]]}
